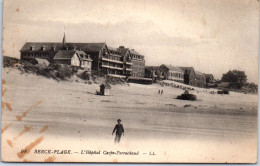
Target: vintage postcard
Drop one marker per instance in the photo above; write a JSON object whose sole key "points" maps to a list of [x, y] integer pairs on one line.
{"points": [[170, 81]]}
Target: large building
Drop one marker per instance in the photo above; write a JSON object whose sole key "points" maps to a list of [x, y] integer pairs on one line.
{"points": [[137, 61], [117, 62]]}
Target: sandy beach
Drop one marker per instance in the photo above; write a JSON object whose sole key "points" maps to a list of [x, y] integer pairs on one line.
{"points": [[215, 128]]}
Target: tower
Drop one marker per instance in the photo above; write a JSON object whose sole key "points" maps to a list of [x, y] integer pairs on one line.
{"points": [[64, 41]]}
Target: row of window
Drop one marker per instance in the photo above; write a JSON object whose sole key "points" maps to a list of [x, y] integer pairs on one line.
{"points": [[136, 56], [138, 74], [35, 55], [114, 52], [179, 75], [112, 64], [114, 72], [113, 58]]}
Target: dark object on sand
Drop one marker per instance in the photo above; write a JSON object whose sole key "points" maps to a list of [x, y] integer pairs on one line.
{"points": [[104, 90], [223, 91], [187, 96], [188, 105], [220, 92]]}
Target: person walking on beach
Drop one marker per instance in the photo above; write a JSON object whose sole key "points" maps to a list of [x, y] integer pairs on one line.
{"points": [[119, 131]]}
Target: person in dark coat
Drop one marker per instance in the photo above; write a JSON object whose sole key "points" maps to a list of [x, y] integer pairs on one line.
{"points": [[119, 131], [102, 89]]}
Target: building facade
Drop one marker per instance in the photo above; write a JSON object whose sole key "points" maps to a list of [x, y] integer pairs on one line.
{"points": [[172, 73], [114, 63], [189, 75], [152, 72], [200, 79], [134, 60], [117, 62], [209, 78], [138, 68], [73, 58]]}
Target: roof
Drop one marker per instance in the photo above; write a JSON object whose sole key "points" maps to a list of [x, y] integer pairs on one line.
{"points": [[123, 50], [83, 56], [209, 75], [117, 51], [149, 68], [174, 68], [91, 47], [68, 54], [112, 48], [199, 73], [189, 69], [132, 51], [64, 54]]}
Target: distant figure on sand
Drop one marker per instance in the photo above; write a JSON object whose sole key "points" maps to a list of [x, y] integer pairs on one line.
{"points": [[159, 92], [119, 131]]}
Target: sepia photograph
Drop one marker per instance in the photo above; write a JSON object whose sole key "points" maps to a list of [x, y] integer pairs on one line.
{"points": [[134, 81]]}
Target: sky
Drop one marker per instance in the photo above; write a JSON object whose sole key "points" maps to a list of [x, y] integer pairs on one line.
{"points": [[213, 36]]}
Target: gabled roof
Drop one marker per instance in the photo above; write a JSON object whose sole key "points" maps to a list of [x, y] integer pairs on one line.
{"points": [[199, 73], [38, 46], [68, 54], [189, 69], [83, 56], [91, 47], [174, 68], [64, 54], [123, 51], [132, 51], [117, 51], [150, 68]]}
